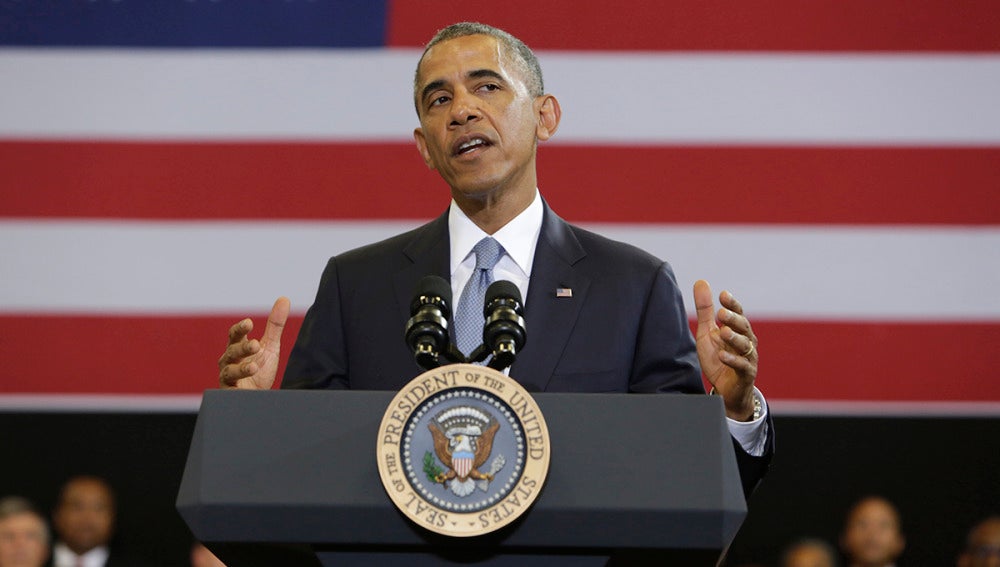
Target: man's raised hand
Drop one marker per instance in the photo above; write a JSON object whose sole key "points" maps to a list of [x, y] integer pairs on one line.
{"points": [[727, 353], [253, 364]]}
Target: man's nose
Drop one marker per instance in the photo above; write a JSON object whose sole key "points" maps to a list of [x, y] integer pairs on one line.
{"points": [[464, 108]]}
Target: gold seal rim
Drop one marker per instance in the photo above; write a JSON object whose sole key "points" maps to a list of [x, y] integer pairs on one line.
{"points": [[425, 513]]}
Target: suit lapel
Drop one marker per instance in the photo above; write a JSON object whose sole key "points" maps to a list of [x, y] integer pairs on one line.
{"points": [[549, 320], [428, 254]]}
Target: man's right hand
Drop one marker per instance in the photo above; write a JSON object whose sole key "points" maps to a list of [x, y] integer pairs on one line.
{"points": [[253, 364]]}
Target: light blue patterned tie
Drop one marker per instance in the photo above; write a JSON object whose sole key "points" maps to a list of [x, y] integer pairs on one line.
{"points": [[469, 314]]}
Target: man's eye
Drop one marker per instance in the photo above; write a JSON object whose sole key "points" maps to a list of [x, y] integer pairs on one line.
{"points": [[491, 87], [439, 100]]}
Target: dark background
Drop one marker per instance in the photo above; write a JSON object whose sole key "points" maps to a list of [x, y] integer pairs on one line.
{"points": [[943, 473]]}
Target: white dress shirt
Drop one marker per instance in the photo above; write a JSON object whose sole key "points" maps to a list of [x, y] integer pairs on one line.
{"points": [[519, 238], [63, 556]]}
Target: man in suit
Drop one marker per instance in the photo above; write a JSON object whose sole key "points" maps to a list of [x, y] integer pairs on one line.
{"points": [[873, 534], [982, 545], [621, 327], [24, 537], [84, 522]]}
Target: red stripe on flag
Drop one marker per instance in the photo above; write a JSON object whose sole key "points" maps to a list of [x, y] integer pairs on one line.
{"points": [[777, 25], [315, 181], [941, 361], [800, 359], [111, 354]]}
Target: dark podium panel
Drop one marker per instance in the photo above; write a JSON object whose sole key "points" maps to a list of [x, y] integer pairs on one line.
{"points": [[290, 478]]}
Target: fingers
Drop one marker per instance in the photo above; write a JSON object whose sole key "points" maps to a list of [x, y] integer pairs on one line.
{"points": [[240, 330], [729, 301], [235, 363], [276, 322], [740, 345], [731, 315], [743, 365], [737, 323], [230, 374], [704, 306], [740, 353], [241, 374], [727, 350], [239, 346], [237, 352], [245, 358], [734, 338]]}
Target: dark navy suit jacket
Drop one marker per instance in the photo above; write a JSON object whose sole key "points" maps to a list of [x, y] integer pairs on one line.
{"points": [[623, 330]]}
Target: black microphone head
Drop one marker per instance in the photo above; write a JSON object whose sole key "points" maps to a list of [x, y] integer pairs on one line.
{"points": [[432, 286], [427, 330], [504, 332], [501, 289]]}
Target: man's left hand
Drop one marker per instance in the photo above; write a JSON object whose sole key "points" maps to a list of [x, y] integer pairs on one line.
{"points": [[727, 350]]}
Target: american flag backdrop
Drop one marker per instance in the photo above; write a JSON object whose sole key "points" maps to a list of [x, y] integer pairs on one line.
{"points": [[168, 167]]}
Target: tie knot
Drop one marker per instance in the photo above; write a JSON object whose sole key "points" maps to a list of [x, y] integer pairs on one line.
{"points": [[487, 253]]}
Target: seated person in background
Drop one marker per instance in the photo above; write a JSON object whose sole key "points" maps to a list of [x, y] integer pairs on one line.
{"points": [[872, 535], [809, 552], [24, 537], [84, 521], [982, 546]]}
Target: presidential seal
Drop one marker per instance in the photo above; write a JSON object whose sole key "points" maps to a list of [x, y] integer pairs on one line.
{"points": [[463, 450]]}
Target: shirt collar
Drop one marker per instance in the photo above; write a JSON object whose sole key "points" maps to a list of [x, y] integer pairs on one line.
{"points": [[518, 237], [63, 555]]}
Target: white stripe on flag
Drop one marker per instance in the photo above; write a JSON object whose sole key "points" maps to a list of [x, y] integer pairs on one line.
{"points": [[689, 98], [855, 273]]}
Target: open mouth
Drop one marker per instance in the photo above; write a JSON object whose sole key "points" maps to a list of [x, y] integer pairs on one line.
{"points": [[470, 146]]}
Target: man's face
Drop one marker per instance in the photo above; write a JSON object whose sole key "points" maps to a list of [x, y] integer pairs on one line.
{"points": [[983, 549], [478, 124], [85, 515], [22, 541], [871, 535]]}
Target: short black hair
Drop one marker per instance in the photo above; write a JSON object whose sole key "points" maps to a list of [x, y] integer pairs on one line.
{"points": [[523, 56]]}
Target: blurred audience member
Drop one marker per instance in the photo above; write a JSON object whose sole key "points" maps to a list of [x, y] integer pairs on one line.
{"points": [[809, 552], [202, 557], [982, 546], [84, 521], [24, 537], [872, 536]]}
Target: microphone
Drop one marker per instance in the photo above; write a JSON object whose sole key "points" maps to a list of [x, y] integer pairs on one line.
{"points": [[427, 330], [503, 332]]}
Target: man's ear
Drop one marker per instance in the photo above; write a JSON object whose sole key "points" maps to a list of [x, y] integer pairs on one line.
{"points": [[418, 137], [549, 113]]}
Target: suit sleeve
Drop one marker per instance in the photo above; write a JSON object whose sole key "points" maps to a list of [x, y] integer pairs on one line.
{"points": [[319, 358], [666, 360], [753, 469]]}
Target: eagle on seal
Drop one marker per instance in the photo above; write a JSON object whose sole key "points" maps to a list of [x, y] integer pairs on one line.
{"points": [[463, 451]]}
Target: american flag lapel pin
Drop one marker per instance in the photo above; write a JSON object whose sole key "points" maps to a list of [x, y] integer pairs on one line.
{"points": [[564, 292]]}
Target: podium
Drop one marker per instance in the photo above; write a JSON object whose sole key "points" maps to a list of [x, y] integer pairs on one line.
{"points": [[290, 478]]}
